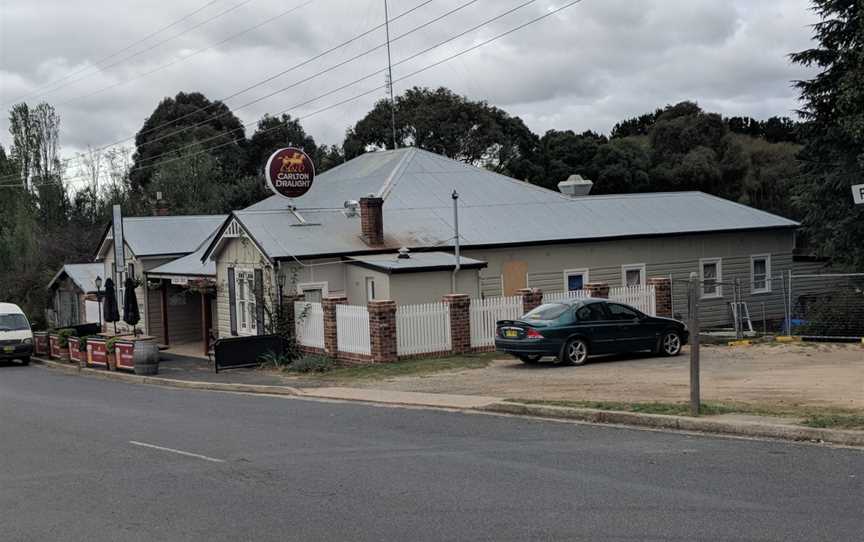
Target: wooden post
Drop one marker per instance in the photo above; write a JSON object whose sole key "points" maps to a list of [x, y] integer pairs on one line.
{"points": [[165, 283], [694, 344], [205, 335]]}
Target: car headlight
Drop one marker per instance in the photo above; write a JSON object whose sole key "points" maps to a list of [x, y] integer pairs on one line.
{"points": [[28, 340]]}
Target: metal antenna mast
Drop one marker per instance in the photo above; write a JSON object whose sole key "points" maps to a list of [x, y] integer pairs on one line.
{"points": [[390, 76]]}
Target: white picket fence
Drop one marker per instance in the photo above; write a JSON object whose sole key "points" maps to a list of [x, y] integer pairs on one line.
{"points": [[484, 314], [309, 324], [552, 297], [423, 329], [641, 297], [352, 329]]}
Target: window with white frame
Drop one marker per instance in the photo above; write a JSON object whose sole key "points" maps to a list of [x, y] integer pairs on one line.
{"points": [[313, 292], [633, 274], [575, 279], [247, 319], [760, 273], [370, 289], [711, 275]]}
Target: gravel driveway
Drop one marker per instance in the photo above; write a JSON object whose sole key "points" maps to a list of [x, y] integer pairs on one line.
{"points": [[797, 374]]}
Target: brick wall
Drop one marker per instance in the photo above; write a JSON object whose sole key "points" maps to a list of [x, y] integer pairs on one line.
{"points": [[598, 289], [531, 298], [382, 330], [331, 341], [460, 322], [662, 295]]}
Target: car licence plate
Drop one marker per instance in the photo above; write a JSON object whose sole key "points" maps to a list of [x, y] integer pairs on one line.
{"points": [[8, 349], [511, 333]]}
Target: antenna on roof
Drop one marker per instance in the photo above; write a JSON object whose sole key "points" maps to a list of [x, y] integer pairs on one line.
{"points": [[390, 76]]}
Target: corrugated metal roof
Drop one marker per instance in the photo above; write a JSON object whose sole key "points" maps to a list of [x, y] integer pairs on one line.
{"points": [[82, 274], [190, 265], [493, 210], [417, 261], [158, 235]]}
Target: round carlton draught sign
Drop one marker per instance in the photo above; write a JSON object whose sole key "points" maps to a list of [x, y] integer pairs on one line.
{"points": [[290, 172]]}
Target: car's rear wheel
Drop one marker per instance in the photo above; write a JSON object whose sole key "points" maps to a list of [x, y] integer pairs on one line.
{"points": [[575, 352], [530, 360], [25, 361], [670, 343]]}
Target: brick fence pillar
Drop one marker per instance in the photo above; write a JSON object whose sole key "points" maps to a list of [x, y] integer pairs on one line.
{"points": [[328, 304], [662, 295], [460, 322], [531, 298], [598, 289], [382, 330], [288, 312]]}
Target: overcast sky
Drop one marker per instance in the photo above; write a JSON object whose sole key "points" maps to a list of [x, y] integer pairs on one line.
{"points": [[584, 68]]}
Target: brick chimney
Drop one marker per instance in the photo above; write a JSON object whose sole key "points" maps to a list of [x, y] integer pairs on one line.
{"points": [[371, 220]]}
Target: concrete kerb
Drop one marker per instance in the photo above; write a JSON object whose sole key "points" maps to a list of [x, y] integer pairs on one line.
{"points": [[633, 419], [683, 423]]}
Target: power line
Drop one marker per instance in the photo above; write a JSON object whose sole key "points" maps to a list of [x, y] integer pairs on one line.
{"points": [[147, 49], [71, 160], [380, 87], [177, 60], [115, 53]]}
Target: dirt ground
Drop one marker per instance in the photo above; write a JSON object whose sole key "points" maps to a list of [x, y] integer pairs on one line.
{"points": [[825, 375]]}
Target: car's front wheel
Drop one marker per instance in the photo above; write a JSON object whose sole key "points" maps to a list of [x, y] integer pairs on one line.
{"points": [[670, 343], [575, 352], [25, 361]]}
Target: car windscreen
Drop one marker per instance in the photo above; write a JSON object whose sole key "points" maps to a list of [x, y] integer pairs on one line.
{"points": [[13, 322], [548, 311]]}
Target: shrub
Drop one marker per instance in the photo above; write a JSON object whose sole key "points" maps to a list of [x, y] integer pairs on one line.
{"points": [[312, 364], [82, 343], [109, 344], [63, 337], [278, 361]]}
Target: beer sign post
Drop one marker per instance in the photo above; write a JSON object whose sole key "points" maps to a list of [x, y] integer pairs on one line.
{"points": [[858, 193], [289, 172]]}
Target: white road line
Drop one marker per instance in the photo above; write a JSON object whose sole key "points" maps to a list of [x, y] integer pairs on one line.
{"points": [[172, 450]]}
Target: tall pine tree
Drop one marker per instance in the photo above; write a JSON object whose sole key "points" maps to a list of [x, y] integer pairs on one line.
{"points": [[833, 154]]}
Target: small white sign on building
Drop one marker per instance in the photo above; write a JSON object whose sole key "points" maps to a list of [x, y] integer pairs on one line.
{"points": [[858, 193], [179, 281]]}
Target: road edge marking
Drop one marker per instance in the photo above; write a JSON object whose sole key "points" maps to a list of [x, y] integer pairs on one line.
{"points": [[175, 451]]}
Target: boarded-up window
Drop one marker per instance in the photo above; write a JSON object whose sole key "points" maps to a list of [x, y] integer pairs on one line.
{"points": [[515, 276]]}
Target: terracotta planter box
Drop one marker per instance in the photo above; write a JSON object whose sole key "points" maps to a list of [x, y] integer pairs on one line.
{"points": [[97, 353], [75, 353], [55, 351], [40, 343], [124, 353]]}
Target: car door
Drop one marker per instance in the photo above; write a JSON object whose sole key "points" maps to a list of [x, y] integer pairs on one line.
{"points": [[625, 327], [594, 323]]}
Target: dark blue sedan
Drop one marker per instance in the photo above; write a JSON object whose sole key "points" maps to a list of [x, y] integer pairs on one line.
{"points": [[572, 330]]}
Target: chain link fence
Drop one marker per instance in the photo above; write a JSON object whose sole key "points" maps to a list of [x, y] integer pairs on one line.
{"points": [[826, 306]]}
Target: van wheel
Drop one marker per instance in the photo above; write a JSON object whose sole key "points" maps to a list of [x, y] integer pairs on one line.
{"points": [[575, 352], [530, 360], [25, 361]]}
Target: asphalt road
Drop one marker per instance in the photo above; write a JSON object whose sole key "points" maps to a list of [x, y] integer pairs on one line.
{"points": [[78, 462]]}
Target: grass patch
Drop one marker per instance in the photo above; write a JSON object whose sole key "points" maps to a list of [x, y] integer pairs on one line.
{"points": [[411, 367], [835, 421], [834, 418]]}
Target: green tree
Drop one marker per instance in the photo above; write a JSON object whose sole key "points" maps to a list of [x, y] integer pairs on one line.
{"points": [[564, 153], [833, 153], [275, 133], [179, 123]]}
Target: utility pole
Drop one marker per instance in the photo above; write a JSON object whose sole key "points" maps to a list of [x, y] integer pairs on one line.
{"points": [[390, 76], [455, 196], [693, 295]]}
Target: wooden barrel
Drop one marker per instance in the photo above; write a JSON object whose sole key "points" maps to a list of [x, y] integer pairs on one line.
{"points": [[146, 356]]}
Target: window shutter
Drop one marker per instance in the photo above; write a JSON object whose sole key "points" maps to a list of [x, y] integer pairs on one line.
{"points": [[232, 301], [259, 300]]}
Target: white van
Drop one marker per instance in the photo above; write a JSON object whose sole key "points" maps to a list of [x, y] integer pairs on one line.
{"points": [[16, 337]]}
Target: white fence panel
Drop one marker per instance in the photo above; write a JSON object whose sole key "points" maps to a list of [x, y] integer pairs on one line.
{"points": [[484, 314], [423, 329], [309, 324], [563, 296], [641, 297], [352, 329]]}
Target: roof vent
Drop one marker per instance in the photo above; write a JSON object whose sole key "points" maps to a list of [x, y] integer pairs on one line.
{"points": [[352, 207], [403, 253], [575, 185]]}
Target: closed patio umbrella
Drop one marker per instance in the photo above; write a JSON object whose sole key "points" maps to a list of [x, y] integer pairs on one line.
{"points": [[130, 305], [111, 312]]}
